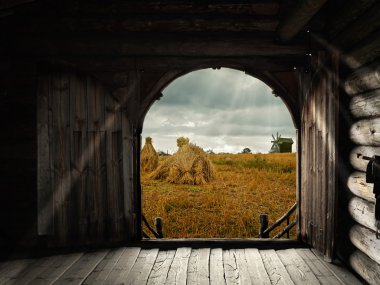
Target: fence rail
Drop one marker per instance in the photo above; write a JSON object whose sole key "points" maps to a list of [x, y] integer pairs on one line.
{"points": [[265, 231]]}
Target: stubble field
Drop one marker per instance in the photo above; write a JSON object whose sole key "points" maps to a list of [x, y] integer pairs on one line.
{"points": [[245, 186]]}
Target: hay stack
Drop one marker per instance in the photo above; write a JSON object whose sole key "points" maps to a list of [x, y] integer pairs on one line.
{"points": [[189, 165], [149, 156]]}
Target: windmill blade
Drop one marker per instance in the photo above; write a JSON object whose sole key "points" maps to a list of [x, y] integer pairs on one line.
{"points": [[273, 137]]}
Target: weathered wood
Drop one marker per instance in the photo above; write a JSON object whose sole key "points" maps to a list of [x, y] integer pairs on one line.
{"points": [[231, 270], [323, 274], [256, 267], [152, 23], [161, 267], [367, 51], [280, 220], [59, 101], [79, 158], [359, 29], [349, 11], [141, 269], [79, 271], [364, 79], [366, 132], [216, 267], [198, 267], [11, 270], [242, 266], [362, 212], [44, 185], [275, 268], [365, 267], [104, 268], [358, 186], [298, 17], [178, 270], [157, 45], [356, 156], [366, 241], [366, 104], [123, 266], [30, 272], [296, 267], [56, 269]]}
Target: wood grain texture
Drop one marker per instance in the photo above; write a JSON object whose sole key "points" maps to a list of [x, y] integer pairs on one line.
{"points": [[104, 267], [362, 212], [367, 51], [216, 267], [198, 267], [256, 267], [365, 240], [178, 270], [358, 186], [366, 104], [365, 267], [363, 79], [323, 274], [356, 156], [275, 268], [140, 271], [161, 267], [296, 267], [79, 271], [366, 132], [123, 266]]}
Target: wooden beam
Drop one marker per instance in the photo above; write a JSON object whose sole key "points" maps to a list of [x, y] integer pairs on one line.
{"points": [[365, 240], [359, 29], [154, 45], [366, 132], [257, 7], [363, 79], [158, 63], [363, 212], [148, 23], [356, 156], [357, 185], [366, 104], [298, 17], [364, 52], [348, 13]]}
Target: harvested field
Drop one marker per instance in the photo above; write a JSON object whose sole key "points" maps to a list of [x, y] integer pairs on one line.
{"points": [[245, 186]]}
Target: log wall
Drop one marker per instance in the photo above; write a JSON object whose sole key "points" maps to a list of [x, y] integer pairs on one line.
{"points": [[361, 90], [80, 160]]}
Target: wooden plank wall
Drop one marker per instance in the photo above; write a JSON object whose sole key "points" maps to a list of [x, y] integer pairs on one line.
{"points": [[318, 144], [18, 157], [362, 249], [80, 182]]}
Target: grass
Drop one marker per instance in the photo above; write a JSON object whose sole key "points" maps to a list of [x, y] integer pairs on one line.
{"points": [[245, 186]]}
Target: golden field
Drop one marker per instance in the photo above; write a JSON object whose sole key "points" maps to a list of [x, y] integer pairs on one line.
{"points": [[245, 186]]}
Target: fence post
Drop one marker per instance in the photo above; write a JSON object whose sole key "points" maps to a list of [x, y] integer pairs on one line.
{"points": [[159, 223], [264, 225]]}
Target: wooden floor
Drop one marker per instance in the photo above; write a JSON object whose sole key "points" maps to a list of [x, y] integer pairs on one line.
{"points": [[133, 265]]}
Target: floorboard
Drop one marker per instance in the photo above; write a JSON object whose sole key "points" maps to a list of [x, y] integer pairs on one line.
{"points": [[184, 265]]}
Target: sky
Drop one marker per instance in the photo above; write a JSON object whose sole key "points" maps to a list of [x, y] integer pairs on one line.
{"points": [[224, 110]]}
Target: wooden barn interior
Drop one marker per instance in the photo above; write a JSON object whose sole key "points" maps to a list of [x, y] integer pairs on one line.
{"points": [[78, 77]]}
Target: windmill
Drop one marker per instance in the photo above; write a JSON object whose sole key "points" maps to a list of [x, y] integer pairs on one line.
{"points": [[275, 144]]}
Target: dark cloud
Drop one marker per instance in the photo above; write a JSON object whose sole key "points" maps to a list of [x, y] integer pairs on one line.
{"points": [[220, 109]]}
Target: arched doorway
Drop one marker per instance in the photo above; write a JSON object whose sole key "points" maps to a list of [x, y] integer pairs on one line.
{"points": [[232, 112]]}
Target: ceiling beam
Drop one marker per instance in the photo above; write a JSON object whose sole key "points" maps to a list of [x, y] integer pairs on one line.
{"points": [[145, 44], [298, 17]]}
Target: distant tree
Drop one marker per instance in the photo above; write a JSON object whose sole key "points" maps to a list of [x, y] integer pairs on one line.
{"points": [[246, 150], [210, 151], [162, 153]]}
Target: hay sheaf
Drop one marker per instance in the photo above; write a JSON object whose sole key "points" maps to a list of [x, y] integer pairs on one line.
{"points": [[189, 165], [149, 156]]}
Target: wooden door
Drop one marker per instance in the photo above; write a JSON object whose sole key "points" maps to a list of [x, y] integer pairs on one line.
{"points": [[319, 156], [80, 176]]}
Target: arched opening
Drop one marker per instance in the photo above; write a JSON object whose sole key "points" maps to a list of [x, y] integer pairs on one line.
{"points": [[232, 116]]}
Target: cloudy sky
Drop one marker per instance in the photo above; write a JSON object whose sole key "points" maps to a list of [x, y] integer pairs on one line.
{"points": [[224, 110]]}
